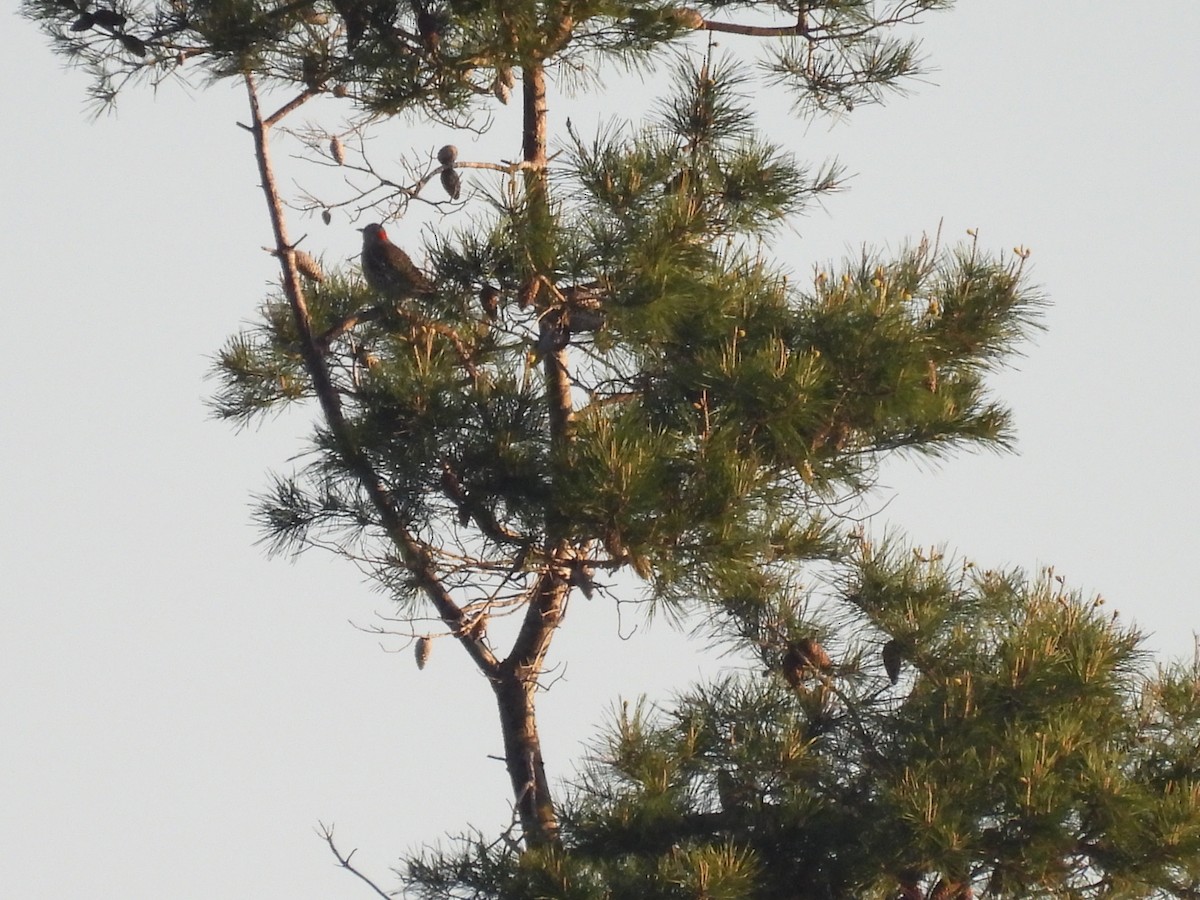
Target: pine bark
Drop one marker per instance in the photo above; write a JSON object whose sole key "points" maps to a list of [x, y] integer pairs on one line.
{"points": [[516, 679]]}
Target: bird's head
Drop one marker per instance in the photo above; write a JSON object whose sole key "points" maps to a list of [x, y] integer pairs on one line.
{"points": [[373, 233]]}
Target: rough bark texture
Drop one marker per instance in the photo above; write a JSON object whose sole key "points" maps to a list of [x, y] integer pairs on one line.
{"points": [[516, 680], [515, 686]]}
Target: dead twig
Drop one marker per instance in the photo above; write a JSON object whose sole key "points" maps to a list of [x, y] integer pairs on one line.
{"points": [[326, 832]]}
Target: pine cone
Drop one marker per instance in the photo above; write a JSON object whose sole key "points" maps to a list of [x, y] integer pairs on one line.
{"points": [[308, 267], [893, 656], [423, 649]]}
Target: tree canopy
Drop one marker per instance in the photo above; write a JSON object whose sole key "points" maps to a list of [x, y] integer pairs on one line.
{"points": [[610, 367]]}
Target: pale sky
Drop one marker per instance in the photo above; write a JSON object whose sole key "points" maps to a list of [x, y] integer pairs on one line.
{"points": [[179, 712]]}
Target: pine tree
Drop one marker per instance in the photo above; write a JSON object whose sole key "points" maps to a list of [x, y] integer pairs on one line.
{"points": [[1027, 750], [612, 369]]}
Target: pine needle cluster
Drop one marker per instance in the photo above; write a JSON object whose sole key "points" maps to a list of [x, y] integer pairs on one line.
{"points": [[1025, 750]]}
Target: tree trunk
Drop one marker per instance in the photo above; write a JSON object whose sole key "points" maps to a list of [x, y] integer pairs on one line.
{"points": [[523, 757], [515, 680]]}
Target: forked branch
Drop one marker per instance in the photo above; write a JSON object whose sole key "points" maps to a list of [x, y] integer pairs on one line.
{"points": [[326, 832]]}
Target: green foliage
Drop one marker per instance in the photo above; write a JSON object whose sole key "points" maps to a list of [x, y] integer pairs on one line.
{"points": [[718, 404], [1026, 750], [616, 370], [708, 431], [449, 64]]}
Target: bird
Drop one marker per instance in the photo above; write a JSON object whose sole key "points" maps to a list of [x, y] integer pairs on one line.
{"points": [[803, 659], [388, 269]]}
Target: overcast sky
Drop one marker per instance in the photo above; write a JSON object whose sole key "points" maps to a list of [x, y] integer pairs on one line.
{"points": [[179, 711]]}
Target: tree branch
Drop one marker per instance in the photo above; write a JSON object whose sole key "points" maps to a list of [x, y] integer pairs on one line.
{"points": [[757, 30], [288, 107], [326, 832], [415, 556]]}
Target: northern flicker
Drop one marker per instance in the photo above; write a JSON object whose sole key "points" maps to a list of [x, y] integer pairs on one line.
{"points": [[388, 269], [804, 659]]}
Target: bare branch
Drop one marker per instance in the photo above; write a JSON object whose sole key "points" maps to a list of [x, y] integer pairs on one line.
{"points": [[415, 555], [326, 832]]}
